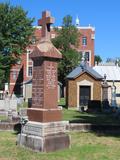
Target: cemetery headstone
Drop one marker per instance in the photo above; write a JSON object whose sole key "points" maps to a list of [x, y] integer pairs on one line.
{"points": [[113, 96], [23, 113], [105, 102], [45, 130], [8, 107]]}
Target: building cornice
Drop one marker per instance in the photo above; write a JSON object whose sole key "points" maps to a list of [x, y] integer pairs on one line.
{"points": [[59, 27]]}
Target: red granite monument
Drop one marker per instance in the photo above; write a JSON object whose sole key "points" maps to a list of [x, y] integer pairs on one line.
{"points": [[44, 92], [45, 130]]}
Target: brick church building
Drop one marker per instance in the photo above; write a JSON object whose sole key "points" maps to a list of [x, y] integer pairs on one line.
{"points": [[22, 72]]}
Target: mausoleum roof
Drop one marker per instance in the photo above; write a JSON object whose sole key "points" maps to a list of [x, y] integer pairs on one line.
{"points": [[82, 69], [112, 72]]}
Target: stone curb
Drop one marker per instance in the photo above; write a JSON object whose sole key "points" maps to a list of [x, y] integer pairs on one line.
{"points": [[82, 127], [86, 127], [7, 126]]}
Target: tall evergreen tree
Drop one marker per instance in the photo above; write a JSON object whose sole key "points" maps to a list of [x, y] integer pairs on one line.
{"points": [[15, 32], [67, 42]]}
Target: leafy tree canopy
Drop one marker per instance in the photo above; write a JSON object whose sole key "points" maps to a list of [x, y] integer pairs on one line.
{"points": [[67, 42], [98, 59], [15, 32]]}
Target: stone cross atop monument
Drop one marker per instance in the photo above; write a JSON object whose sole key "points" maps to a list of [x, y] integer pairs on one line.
{"points": [[45, 22]]}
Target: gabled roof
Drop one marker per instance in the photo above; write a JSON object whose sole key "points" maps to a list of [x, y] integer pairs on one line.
{"points": [[112, 72], [82, 69]]}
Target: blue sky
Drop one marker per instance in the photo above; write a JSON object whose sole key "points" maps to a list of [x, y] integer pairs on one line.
{"points": [[104, 15]]}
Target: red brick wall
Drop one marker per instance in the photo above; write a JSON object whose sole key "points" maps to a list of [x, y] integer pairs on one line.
{"points": [[90, 42], [84, 32]]}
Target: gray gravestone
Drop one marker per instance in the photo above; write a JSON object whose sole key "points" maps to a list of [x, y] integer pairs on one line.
{"points": [[105, 86], [8, 107], [113, 96]]}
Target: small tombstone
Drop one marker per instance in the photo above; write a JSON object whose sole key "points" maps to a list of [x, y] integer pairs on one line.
{"points": [[8, 106], [23, 113], [113, 96], [105, 86]]}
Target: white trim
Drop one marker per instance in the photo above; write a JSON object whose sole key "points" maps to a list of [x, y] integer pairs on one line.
{"points": [[30, 65], [24, 92], [83, 51], [86, 27], [38, 27], [60, 27], [84, 83], [27, 62], [12, 83], [15, 69]]}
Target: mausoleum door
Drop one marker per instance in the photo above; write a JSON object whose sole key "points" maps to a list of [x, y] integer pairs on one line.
{"points": [[84, 95]]}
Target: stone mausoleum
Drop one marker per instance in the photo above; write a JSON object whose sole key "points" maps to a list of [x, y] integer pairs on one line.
{"points": [[83, 84]]}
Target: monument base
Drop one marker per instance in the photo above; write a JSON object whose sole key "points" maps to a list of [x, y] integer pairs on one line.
{"points": [[44, 137], [44, 115]]}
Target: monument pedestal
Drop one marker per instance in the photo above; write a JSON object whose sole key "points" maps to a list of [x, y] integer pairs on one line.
{"points": [[44, 115], [44, 137]]}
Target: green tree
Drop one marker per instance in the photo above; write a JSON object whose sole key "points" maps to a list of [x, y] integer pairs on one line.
{"points": [[98, 59], [67, 41], [15, 32]]}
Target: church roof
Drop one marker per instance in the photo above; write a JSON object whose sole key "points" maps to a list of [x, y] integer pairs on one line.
{"points": [[82, 69], [112, 72]]}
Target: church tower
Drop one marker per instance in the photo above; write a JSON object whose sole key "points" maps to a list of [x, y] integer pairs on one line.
{"points": [[77, 22]]}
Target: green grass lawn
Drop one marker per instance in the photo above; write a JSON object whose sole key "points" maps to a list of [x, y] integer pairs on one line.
{"points": [[3, 118], [94, 118], [62, 102], [73, 115], [84, 146]]}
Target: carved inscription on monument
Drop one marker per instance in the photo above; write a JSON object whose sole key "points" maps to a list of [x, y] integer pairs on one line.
{"points": [[37, 91], [51, 76]]}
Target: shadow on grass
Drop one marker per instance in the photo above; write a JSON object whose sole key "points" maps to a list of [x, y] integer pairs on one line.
{"points": [[99, 123], [94, 118]]}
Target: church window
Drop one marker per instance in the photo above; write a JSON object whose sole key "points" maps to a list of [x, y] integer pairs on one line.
{"points": [[14, 75], [84, 41], [29, 71], [87, 56]]}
